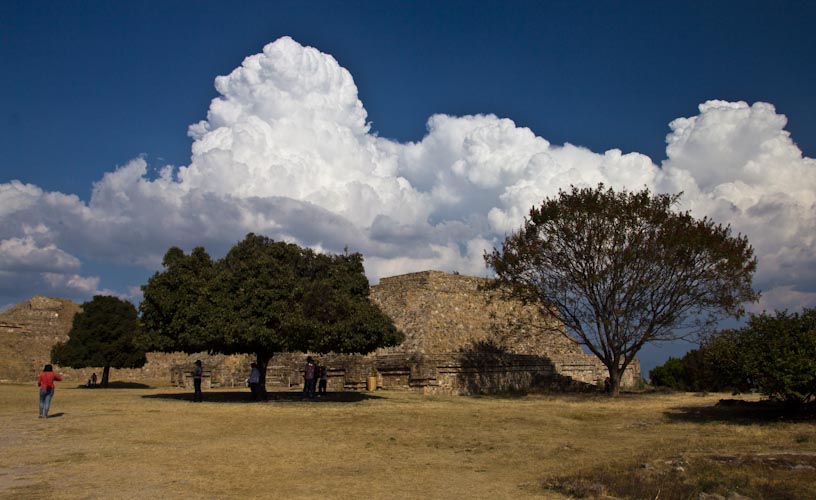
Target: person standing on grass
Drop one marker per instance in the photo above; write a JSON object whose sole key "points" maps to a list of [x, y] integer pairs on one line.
{"points": [[197, 372], [254, 381], [93, 379], [46, 384], [309, 378], [324, 380]]}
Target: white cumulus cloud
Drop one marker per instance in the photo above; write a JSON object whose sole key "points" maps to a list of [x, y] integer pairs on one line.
{"points": [[286, 151]]}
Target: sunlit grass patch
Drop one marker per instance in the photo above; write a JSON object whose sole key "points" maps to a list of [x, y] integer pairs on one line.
{"points": [[139, 443]]}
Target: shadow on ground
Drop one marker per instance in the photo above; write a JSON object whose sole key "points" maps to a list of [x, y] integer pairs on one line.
{"points": [[116, 385], [739, 412], [274, 397]]}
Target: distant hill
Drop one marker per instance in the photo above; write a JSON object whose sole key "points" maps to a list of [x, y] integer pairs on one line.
{"points": [[27, 333]]}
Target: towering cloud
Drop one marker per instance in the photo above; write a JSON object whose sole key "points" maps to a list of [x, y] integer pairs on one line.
{"points": [[738, 164], [286, 151]]}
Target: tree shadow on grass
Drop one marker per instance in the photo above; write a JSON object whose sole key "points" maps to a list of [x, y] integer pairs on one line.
{"points": [[739, 412], [116, 385], [273, 397]]}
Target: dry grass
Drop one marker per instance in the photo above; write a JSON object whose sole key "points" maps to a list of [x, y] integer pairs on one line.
{"points": [[145, 443]]}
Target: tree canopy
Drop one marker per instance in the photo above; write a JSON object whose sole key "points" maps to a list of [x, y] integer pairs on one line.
{"points": [[695, 371], [621, 269], [775, 354], [104, 334], [263, 297]]}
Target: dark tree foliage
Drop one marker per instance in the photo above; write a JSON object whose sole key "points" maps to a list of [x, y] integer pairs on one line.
{"points": [[775, 354], [104, 334], [622, 269], [263, 297], [695, 371], [671, 374], [175, 302]]}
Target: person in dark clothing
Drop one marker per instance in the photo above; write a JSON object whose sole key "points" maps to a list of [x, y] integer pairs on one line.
{"points": [[309, 373], [324, 380], [197, 373], [254, 381]]}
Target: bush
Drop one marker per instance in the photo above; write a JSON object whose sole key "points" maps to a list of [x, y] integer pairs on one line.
{"points": [[775, 354], [671, 375], [694, 372]]}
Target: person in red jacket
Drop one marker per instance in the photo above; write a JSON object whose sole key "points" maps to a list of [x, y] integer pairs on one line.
{"points": [[46, 383]]}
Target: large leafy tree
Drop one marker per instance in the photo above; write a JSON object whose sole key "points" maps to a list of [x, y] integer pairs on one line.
{"points": [[621, 269], [104, 334], [263, 297], [175, 305], [775, 354]]}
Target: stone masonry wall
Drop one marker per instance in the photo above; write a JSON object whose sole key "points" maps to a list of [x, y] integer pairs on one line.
{"points": [[30, 329], [458, 340], [450, 321]]}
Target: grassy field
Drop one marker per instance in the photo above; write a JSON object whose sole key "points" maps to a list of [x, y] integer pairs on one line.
{"points": [[151, 442]]}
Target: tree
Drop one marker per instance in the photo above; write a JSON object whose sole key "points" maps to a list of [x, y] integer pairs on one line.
{"points": [[104, 334], [174, 308], [671, 374], [263, 297], [621, 269], [775, 354], [695, 371]]}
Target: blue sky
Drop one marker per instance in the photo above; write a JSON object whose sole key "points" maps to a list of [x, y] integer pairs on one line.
{"points": [[102, 94]]}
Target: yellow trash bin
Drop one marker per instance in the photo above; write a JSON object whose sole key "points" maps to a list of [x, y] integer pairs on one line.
{"points": [[372, 384]]}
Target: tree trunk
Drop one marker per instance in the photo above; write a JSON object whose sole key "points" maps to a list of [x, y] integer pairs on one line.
{"points": [[105, 375], [262, 359], [613, 387]]}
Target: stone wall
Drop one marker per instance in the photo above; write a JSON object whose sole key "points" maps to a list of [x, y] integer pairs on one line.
{"points": [[30, 329], [27, 333], [459, 339], [444, 313]]}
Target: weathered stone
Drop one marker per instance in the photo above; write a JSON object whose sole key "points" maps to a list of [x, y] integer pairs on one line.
{"points": [[27, 333], [459, 339]]}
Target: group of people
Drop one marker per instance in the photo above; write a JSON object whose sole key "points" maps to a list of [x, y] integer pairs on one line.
{"points": [[314, 375]]}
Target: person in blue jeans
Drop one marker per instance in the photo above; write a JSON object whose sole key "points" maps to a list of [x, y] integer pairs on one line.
{"points": [[46, 384]]}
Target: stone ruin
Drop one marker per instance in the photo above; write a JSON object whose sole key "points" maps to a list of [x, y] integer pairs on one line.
{"points": [[27, 333], [459, 339]]}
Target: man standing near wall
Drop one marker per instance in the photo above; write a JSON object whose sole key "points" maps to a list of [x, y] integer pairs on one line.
{"points": [[254, 381], [197, 372], [309, 378]]}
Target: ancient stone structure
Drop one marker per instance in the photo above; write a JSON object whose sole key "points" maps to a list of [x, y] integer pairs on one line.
{"points": [[459, 339], [30, 329], [27, 333]]}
